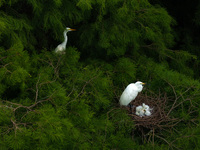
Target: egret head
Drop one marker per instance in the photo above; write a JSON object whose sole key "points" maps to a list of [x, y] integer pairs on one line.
{"points": [[145, 106], [139, 85], [70, 29]]}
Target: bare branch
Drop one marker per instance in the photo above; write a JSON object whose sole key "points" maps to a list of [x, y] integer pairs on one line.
{"points": [[82, 90], [37, 89], [176, 98]]}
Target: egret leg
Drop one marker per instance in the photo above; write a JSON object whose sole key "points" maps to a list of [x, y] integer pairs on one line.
{"points": [[131, 107]]}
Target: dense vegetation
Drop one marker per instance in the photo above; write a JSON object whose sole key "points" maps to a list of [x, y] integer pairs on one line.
{"points": [[51, 101]]}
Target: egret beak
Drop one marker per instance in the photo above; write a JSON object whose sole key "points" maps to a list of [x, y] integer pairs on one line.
{"points": [[72, 29], [143, 83]]}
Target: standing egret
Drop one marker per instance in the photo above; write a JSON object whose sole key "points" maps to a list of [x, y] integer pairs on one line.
{"points": [[130, 93], [61, 47], [140, 111]]}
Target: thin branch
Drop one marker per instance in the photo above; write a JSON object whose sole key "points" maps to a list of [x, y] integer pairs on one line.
{"points": [[107, 122], [82, 90], [184, 136], [71, 92], [37, 89], [176, 98], [163, 140]]}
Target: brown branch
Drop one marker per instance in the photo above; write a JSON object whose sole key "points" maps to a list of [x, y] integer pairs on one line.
{"points": [[107, 122], [150, 46], [29, 108], [71, 92], [56, 68], [4, 66], [15, 126], [82, 90], [37, 89], [176, 98], [160, 118], [184, 136], [9, 56], [165, 141], [3, 58], [181, 102], [181, 94], [47, 82]]}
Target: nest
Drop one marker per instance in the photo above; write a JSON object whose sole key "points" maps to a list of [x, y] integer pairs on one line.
{"points": [[159, 118], [158, 113]]}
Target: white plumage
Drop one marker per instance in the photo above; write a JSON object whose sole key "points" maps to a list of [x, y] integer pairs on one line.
{"points": [[147, 113], [130, 93], [140, 111], [143, 110], [145, 106], [61, 47], [139, 108]]}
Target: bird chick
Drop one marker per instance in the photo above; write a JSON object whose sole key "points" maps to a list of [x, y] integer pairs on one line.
{"points": [[143, 110], [147, 113], [145, 106], [140, 111]]}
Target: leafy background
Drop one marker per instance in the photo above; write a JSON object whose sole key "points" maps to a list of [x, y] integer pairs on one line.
{"points": [[70, 101]]}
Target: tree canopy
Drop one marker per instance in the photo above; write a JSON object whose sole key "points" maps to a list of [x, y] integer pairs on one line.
{"points": [[71, 101]]}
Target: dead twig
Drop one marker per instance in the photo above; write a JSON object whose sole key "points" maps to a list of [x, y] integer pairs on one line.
{"points": [[82, 90]]}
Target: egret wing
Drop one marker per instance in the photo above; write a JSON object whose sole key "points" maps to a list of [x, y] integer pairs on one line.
{"points": [[128, 95]]}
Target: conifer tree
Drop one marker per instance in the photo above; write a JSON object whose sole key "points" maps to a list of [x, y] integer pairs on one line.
{"points": [[50, 101]]}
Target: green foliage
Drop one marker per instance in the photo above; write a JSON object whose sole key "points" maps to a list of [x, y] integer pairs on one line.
{"points": [[70, 101], [125, 69]]}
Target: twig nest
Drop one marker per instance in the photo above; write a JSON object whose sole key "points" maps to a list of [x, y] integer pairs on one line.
{"points": [[149, 111]]}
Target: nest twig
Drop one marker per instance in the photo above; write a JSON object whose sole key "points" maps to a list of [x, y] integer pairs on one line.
{"points": [[162, 118], [158, 116], [158, 120]]}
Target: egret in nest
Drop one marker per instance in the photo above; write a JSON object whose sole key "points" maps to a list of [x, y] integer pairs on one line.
{"points": [[147, 109], [140, 111], [143, 110], [61, 47], [130, 93]]}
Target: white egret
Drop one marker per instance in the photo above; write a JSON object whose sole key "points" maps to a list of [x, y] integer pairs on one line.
{"points": [[145, 106], [143, 110], [147, 113], [61, 47], [147, 109], [140, 111], [138, 108], [130, 93]]}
